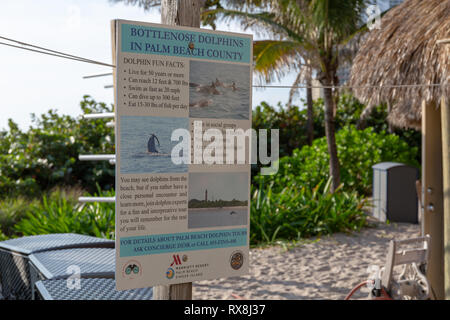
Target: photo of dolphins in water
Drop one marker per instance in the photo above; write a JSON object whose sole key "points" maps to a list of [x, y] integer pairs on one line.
{"points": [[145, 144], [213, 204], [219, 90]]}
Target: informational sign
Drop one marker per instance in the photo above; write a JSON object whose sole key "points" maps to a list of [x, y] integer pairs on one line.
{"points": [[183, 100]]}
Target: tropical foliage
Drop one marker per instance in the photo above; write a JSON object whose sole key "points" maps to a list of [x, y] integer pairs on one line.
{"points": [[46, 155], [292, 212], [309, 31], [296, 202], [291, 121], [359, 150], [320, 186], [63, 214]]}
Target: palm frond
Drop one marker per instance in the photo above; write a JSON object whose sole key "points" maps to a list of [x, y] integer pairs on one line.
{"points": [[293, 91], [261, 19], [273, 58]]}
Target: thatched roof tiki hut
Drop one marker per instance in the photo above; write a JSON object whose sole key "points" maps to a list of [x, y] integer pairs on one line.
{"points": [[410, 50]]}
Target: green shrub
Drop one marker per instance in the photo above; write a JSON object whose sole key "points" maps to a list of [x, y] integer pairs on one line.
{"points": [[102, 217], [358, 151], [64, 215], [292, 122], [12, 210], [46, 155], [296, 212]]}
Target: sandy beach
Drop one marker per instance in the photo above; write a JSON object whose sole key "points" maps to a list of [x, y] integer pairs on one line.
{"points": [[319, 268]]}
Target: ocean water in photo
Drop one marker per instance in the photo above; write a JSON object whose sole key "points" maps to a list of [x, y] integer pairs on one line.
{"points": [[135, 132], [221, 101], [217, 217]]}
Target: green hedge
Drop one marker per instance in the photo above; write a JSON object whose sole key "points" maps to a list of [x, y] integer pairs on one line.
{"points": [[358, 151]]}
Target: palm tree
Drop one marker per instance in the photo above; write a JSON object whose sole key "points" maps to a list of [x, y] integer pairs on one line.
{"points": [[307, 30], [274, 59], [305, 76]]}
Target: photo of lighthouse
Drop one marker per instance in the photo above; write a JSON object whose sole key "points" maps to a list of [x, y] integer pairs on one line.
{"points": [[213, 204]]}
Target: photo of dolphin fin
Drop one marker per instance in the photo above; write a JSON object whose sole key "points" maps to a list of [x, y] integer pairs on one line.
{"points": [[151, 145]]}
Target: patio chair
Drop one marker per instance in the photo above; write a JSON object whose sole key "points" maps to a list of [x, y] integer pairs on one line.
{"points": [[14, 257], [413, 255], [90, 289], [412, 283], [59, 264]]}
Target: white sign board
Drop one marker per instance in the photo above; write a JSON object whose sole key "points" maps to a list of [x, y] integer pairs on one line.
{"points": [[182, 205]]}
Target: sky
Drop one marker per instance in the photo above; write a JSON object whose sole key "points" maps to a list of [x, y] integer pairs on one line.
{"points": [[34, 83]]}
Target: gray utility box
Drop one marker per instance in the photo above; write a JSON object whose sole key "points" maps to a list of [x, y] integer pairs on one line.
{"points": [[394, 192]]}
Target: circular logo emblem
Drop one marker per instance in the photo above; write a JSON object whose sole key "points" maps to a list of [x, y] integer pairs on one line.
{"points": [[131, 269], [184, 258], [170, 273], [237, 260]]}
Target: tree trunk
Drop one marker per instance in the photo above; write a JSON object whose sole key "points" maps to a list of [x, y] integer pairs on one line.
{"points": [[390, 127], [330, 132], [310, 113], [181, 13]]}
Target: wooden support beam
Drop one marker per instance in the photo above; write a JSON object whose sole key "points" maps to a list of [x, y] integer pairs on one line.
{"points": [[445, 118], [443, 41], [181, 13], [432, 194], [114, 58]]}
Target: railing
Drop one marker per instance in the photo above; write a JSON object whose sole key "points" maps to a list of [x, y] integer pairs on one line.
{"points": [[111, 158]]}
